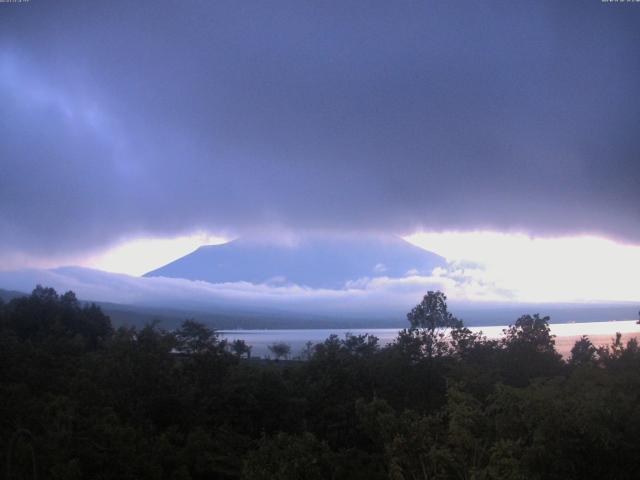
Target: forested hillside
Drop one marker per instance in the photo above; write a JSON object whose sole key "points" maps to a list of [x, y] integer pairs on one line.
{"points": [[82, 400]]}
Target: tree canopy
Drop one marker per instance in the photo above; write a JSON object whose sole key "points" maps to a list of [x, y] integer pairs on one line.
{"points": [[81, 399]]}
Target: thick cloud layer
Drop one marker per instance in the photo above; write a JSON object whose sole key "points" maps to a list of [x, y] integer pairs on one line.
{"points": [[366, 297], [127, 117], [367, 301]]}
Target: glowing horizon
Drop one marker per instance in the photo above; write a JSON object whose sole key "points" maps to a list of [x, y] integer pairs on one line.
{"points": [[141, 255], [533, 269], [541, 269]]}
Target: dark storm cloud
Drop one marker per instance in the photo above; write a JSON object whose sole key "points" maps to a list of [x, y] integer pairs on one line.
{"points": [[126, 117]]}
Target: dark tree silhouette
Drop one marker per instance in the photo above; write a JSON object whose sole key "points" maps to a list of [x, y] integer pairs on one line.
{"points": [[529, 350], [430, 321], [432, 314], [147, 403], [46, 314], [194, 337], [240, 348], [280, 350], [583, 352]]}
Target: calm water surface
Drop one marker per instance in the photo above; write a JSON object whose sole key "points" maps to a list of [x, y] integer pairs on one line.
{"points": [[297, 339]]}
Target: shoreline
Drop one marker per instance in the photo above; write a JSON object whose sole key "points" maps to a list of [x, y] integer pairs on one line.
{"points": [[564, 343], [566, 334]]}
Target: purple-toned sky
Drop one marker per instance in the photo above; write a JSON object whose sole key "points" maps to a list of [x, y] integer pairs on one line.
{"points": [[129, 118]]}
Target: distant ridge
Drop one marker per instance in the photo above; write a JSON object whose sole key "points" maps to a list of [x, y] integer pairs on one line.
{"points": [[317, 262], [7, 295]]}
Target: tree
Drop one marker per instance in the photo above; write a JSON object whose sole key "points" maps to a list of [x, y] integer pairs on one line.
{"points": [[432, 313], [194, 337], [307, 351], [46, 314], [280, 350], [532, 331], [429, 321], [361, 345], [240, 348], [583, 352], [289, 457], [528, 350]]}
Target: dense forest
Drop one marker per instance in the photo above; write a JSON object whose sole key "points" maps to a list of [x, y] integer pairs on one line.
{"points": [[83, 400]]}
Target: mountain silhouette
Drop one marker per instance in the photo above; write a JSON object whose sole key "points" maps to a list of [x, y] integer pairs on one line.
{"points": [[316, 262]]}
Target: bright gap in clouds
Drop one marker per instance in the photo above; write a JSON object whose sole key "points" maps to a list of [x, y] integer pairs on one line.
{"points": [[568, 269], [139, 256], [514, 267]]}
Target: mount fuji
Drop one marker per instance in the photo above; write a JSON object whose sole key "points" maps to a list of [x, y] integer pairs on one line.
{"points": [[314, 262]]}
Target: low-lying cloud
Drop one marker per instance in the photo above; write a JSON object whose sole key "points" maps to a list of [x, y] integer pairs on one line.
{"points": [[370, 301], [382, 294]]}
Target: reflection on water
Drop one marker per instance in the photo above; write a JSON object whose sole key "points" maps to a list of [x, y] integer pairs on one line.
{"points": [[260, 339]]}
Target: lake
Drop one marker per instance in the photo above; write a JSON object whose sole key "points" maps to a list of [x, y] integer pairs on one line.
{"points": [[599, 332]]}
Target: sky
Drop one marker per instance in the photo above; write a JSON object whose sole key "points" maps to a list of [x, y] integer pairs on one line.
{"points": [[132, 132]]}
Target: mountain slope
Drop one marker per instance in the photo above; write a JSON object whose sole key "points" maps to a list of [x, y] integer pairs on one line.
{"points": [[318, 262], [8, 295]]}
